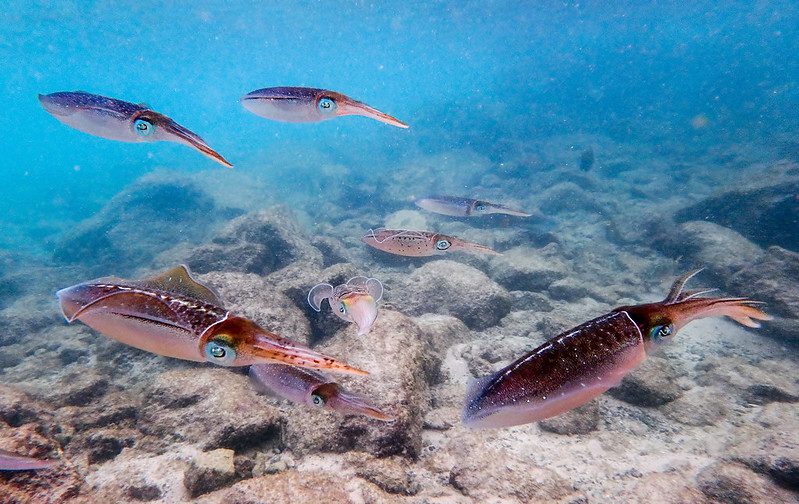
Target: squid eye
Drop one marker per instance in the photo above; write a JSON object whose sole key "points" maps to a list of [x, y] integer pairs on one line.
{"points": [[317, 400], [143, 128], [326, 105], [342, 308], [660, 333], [480, 208], [220, 352], [443, 244]]}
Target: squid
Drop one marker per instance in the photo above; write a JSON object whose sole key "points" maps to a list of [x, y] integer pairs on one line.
{"points": [[312, 388], [419, 243], [582, 363], [120, 120], [174, 315], [354, 301], [12, 462], [300, 104], [465, 207]]}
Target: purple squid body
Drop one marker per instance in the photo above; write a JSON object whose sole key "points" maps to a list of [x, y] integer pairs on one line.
{"points": [[311, 388], [559, 375]]}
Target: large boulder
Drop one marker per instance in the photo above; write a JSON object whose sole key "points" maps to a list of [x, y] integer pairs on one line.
{"points": [[451, 288], [258, 242], [765, 215], [718, 248], [528, 269], [730, 482], [147, 218], [211, 407], [653, 384], [774, 279], [394, 353]]}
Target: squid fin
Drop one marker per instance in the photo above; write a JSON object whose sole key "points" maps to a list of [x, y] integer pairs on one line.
{"points": [[179, 280]]}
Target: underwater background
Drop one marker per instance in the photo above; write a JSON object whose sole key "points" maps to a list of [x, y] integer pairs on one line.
{"points": [[689, 113]]}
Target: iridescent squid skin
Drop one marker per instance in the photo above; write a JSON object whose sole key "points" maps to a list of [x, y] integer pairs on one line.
{"points": [[354, 301], [173, 315], [301, 104], [120, 120], [313, 389], [409, 243], [582, 363], [465, 207], [12, 462]]}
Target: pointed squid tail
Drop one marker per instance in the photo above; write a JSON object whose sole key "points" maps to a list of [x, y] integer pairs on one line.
{"points": [[354, 107]]}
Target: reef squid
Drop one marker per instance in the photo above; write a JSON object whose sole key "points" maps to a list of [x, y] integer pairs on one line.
{"points": [[300, 104], [120, 120], [354, 301], [582, 363], [312, 388], [405, 242], [12, 462], [465, 207], [174, 315]]}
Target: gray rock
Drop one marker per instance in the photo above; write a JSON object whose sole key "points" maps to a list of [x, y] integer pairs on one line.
{"points": [[143, 491], [442, 331], [28, 315], [450, 288], [17, 407], [526, 300], [211, 407], [773, 452], [567, 197], [394, 353], [664, 488], [580, 420], [406, 219], [734, 483], [288, 487], [101, 445], [391, 474], [720, 249], [570, 290], [698, 407], [488, 475], [209, 471], [259, 242], [174, 209], [763, 215], [653, 384], [79, 388], [774, 279], [528, 269]]}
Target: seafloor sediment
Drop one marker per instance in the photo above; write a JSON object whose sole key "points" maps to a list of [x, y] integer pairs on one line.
{"points": [[711, 418]]}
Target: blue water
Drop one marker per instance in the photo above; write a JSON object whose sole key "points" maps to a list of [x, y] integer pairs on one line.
{"points": [[461, 73], [680, 106]]}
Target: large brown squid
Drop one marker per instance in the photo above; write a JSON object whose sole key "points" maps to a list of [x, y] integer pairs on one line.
{"points": [[582, 363]]}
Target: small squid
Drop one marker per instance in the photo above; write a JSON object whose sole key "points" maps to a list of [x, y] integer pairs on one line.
{"points": [[311, 388], [582, 363], [174, 315], [419, 243], [12, 462], [354, 301], [120, 120], [465, 207], [299, 104]]}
